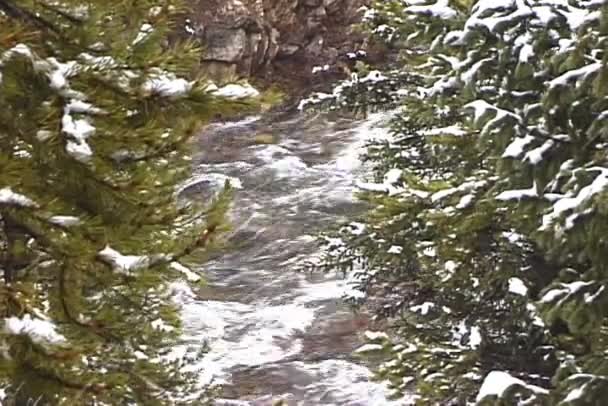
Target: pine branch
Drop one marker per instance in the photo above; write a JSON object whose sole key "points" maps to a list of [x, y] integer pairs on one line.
{"points": [[63, 294], [94, 388], [67, 16], [27, 16]]}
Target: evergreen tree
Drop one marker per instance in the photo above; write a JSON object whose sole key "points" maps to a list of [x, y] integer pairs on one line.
{"points": [[98, 105], [485, 245]]}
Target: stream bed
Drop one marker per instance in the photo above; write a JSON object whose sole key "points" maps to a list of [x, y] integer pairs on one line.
{"points": [[274, 331]]}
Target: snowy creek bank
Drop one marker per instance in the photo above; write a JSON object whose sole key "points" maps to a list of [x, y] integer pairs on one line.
{"points": [[275, 332]]}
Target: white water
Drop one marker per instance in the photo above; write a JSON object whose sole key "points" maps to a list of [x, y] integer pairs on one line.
{"points": [[283, 198]]}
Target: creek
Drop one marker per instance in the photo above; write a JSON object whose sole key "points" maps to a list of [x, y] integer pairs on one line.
{"points": [[275, 332]]}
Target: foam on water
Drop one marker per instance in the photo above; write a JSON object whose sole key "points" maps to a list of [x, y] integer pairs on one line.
{"points": [[241, 334], [267, 330], [343, 383], [349, 160]]}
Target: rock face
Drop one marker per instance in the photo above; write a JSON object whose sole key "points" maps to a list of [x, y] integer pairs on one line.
{"points": [[273, 38]]}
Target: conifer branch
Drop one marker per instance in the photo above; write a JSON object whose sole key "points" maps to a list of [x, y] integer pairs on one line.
{"points": [[63, 295], [26, 16], [67, 16], [95, 388]]}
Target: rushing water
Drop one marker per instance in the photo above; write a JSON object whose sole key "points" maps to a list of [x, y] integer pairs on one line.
{"points": [[275, 332]]}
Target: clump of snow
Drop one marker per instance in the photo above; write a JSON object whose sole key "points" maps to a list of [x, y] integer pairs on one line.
{"points": [[519, 194], [453, 130], [317, 69], [439, 9], [145, 30], [375, 335], [516, 147], [497, 383], [190, 276], [8, 197], [237, 91], [40, 331], [567, 203], [159, 324], [423, 308], [395, 249], [65, 221], [166, 84], [575, 394], [365, 348], [354, 228], [374, 76], [474, 337], [563, 290], [123, 263], [78, 130], [518, 287]]}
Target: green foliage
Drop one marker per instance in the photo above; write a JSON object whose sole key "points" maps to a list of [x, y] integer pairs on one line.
{"points": [[97, 111], [484, 244]]}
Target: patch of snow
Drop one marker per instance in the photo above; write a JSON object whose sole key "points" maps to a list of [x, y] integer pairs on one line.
{"points": [[564, 204], [65, 221], [517, 146], [395, 249], [563, 290], [78, 130], [374, 76], [375, 335], [465, 201], [575, 394], [575, 75], [518, 287], [40, 331], [497, 382], [166, 84], [123, 263], [190, 276], [236, 91], [423, 309], [518, 194], [439, 9], [159, 324], [535, 156], [145, 30], [453, 130], [368, 348], [8, 197]]}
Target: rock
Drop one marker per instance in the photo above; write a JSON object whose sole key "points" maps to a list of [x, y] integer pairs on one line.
{"points": [[261, 37], [332, 6], [315, 20], [313, 3], [315, 47], [265, 139], [288, 49], [226, 44]]}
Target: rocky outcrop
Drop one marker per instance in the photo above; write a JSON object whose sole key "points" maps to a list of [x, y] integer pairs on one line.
{"points": [[272, 38]]}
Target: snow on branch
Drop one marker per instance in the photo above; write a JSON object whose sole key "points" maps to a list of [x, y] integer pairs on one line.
{"points": [[570, 203], [236, 91], [10, 198], [497, 383], [166, 84], [124, 264], [439, 9], [39, 330]]}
